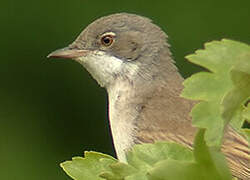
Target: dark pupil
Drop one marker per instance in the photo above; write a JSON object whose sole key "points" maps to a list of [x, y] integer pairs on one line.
{"points": [[106, 40]]}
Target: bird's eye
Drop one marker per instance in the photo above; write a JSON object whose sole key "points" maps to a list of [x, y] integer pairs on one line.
{"points": [[107, 40]]}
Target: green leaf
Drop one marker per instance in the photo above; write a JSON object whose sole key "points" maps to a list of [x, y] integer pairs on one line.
{"points": [[211, 160], [119, 170], [210, 88], [208, 164], [144, 156], [235, 100], [89, 167]]}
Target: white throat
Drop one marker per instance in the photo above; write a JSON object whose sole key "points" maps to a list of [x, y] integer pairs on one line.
{"points": [[106, 70], [101, 66], [121, 117]]}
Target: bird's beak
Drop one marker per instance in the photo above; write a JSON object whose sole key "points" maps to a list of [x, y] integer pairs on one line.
{"points": [[68, 53]]}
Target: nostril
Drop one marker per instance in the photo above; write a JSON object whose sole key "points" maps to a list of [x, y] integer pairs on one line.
{"points": [[76, 45], [72, 46]]}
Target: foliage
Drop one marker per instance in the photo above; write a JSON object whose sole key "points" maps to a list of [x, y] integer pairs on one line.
{"points": [[222, 90], [223, 94], [88, 167], [153, 161]]}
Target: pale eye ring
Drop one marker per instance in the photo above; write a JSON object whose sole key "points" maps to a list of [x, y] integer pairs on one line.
{"points": [[107, 40]]}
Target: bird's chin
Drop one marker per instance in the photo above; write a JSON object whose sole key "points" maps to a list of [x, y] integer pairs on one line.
{"points": [[102, 66], [81, 59]]}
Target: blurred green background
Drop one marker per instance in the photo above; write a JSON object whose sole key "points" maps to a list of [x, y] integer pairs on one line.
{"points": [[51, 110]]}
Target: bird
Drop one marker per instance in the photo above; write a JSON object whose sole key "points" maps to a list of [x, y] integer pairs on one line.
{"points": [[130, 57]]}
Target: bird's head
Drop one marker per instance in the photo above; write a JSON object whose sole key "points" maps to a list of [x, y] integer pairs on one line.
{"points": [[119, 45]]}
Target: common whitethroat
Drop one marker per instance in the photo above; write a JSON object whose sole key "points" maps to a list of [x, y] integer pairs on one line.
{"points": [[129, 56]]}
